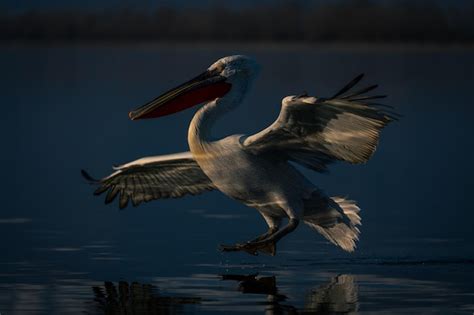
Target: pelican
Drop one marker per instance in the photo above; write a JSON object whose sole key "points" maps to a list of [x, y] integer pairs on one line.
{"points": [[258, 170]]}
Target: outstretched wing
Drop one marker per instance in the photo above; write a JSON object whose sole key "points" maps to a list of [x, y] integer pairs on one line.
{"points": [[150, 178], [317, 131]]}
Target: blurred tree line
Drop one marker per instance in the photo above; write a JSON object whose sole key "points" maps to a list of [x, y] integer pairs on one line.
{"points": [[356, 20]]}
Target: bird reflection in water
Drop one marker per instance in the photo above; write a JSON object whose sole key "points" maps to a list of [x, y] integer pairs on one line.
{"points": [[339, 295], [252, 284], [136, 298]]}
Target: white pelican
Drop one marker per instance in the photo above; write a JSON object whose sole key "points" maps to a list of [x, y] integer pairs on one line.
{"points": [[256, 169]]}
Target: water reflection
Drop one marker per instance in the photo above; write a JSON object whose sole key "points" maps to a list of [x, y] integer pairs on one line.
{"points": [[338, 295], [136, 298], [252, 284], [282, 291]]}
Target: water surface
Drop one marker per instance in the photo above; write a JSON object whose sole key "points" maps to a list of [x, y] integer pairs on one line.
{"points": [[63, 250]]}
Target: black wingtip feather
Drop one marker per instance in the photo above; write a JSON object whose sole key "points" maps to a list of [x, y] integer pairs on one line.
{"points": [[349, 85], [379, 105], [361, 91], [393, 115], [101, 190], [89, 178], [365, 98], [113, 191]]}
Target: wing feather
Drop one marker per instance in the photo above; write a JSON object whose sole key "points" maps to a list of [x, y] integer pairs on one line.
{"points": [[315, 132], [349, 85], [153, 178]]}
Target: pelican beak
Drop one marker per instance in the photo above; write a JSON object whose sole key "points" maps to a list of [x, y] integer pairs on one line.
{"points": [[205, 87]]}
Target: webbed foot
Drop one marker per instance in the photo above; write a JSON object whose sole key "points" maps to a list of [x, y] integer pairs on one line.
{"points": [[267, 247], [253, 248], [237, 248]]}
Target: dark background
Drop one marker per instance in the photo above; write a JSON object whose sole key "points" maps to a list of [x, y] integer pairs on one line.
{"points": [[288, 21]]}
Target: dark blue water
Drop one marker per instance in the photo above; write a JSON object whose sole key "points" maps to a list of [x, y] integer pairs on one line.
{"points": [[64, 107]]}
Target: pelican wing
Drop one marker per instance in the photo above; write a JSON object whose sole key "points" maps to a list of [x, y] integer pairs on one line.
{"points": [[151, 178], [317, 131]]}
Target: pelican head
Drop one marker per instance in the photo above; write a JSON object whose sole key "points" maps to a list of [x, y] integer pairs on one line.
{"points": [[232, 73], [236, 67]]}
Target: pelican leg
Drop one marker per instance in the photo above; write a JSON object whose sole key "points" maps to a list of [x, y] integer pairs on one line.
{"points": [[273, 225], [269, 232], [244, 247], [268, 245]]}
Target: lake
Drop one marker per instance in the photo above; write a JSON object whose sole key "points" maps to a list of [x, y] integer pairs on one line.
{"points": [[63, 251]]}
